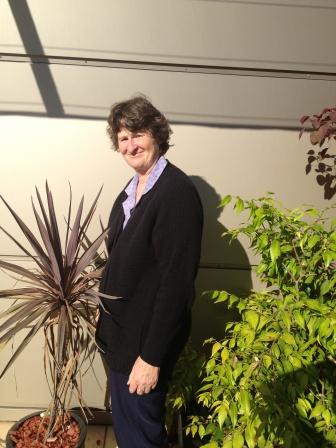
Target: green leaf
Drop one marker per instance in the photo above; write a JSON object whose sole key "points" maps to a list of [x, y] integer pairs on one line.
{"points": [[177, 403], [313, 304], [287, 366], [286, 319], [215, 348], [279, 367], [299, 319], [210, 445], [305, 403], [233, 413], [227, 444], [267, 360], [232, 343], [324, 328], [252, 318], [223, 295], [239, 205], [312, 212], [233, 299], [331, 435], [275, 250], [328, 257], [214, 294], [325, 287], [313, 241], [225, 354], [201, 431], [263, 240], [222, 414], [269, 336], [226, 200], [210, 365], [206, 386], [238, 370], [237, 440], [327, 416], [262, 268], [301, 409], [296, 362], [245, 402], [250, 434], [275, 350], [288, 338]]}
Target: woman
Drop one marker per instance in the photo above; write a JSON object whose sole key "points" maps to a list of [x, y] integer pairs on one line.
{"points": [[154, 249]]}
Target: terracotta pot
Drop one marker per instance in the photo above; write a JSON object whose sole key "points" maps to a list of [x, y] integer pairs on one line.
{"points": [[74, 415]]}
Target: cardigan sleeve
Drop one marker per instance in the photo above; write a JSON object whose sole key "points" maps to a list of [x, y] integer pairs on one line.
{"points": [[176, 238]]}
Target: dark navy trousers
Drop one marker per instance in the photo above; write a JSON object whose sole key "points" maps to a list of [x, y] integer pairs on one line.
{"points": [[138, 420]]}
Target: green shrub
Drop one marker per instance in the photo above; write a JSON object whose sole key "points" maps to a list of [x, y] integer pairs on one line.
{"points": [[184, 383], [271, 382]]}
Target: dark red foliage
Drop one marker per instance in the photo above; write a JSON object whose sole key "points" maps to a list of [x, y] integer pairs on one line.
{"points": [[321, 130], [31, 434], [324, 125]]}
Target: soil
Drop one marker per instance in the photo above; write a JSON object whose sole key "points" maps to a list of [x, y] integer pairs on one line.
{"points": [[31, 434]]}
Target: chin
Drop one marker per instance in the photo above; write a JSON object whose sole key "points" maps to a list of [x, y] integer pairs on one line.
{"points": [[136, 166]]}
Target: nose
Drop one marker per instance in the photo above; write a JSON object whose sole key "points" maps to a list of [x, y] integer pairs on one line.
{"points": [[131, 144]]}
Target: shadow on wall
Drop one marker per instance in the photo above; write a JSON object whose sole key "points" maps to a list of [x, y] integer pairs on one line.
{"points": [[223, 266]]}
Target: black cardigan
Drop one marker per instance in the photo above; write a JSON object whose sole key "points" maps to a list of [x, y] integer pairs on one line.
{"points": [[152, 265]]}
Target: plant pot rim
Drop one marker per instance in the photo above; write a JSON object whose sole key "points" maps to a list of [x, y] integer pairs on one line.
{"points": [[81, 423]]}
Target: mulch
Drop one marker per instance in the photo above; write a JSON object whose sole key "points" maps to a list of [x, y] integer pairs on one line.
{"points": [[32, 434]]}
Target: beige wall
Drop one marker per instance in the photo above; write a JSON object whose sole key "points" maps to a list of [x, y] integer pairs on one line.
{"points": [[246, 162], [221, 161], [206, 37], [234, 131], [243, 33]]}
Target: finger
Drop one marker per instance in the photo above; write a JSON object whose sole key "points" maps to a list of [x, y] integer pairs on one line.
{"points": [[129, 379], [132, 388]]}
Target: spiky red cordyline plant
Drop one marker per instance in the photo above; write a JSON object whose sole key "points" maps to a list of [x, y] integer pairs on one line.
{"points": [[59, 297]]}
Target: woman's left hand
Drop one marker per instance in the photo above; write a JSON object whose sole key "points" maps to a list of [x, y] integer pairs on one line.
{"points": [[143, 377]]}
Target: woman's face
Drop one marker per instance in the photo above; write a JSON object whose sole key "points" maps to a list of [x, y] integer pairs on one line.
{"points": [[139, 149]]}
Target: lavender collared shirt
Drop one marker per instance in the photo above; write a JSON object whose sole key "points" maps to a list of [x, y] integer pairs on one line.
{"points": [[130, 202]]}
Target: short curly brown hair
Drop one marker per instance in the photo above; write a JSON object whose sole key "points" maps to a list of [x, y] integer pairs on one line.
{"points": [[139, 114]]}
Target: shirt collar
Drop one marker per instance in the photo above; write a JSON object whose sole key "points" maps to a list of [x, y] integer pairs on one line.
{"points": [[129, 203], [156, 172]]}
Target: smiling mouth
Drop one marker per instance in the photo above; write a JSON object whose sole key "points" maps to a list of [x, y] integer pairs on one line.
{"points": [[135, 155]]}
